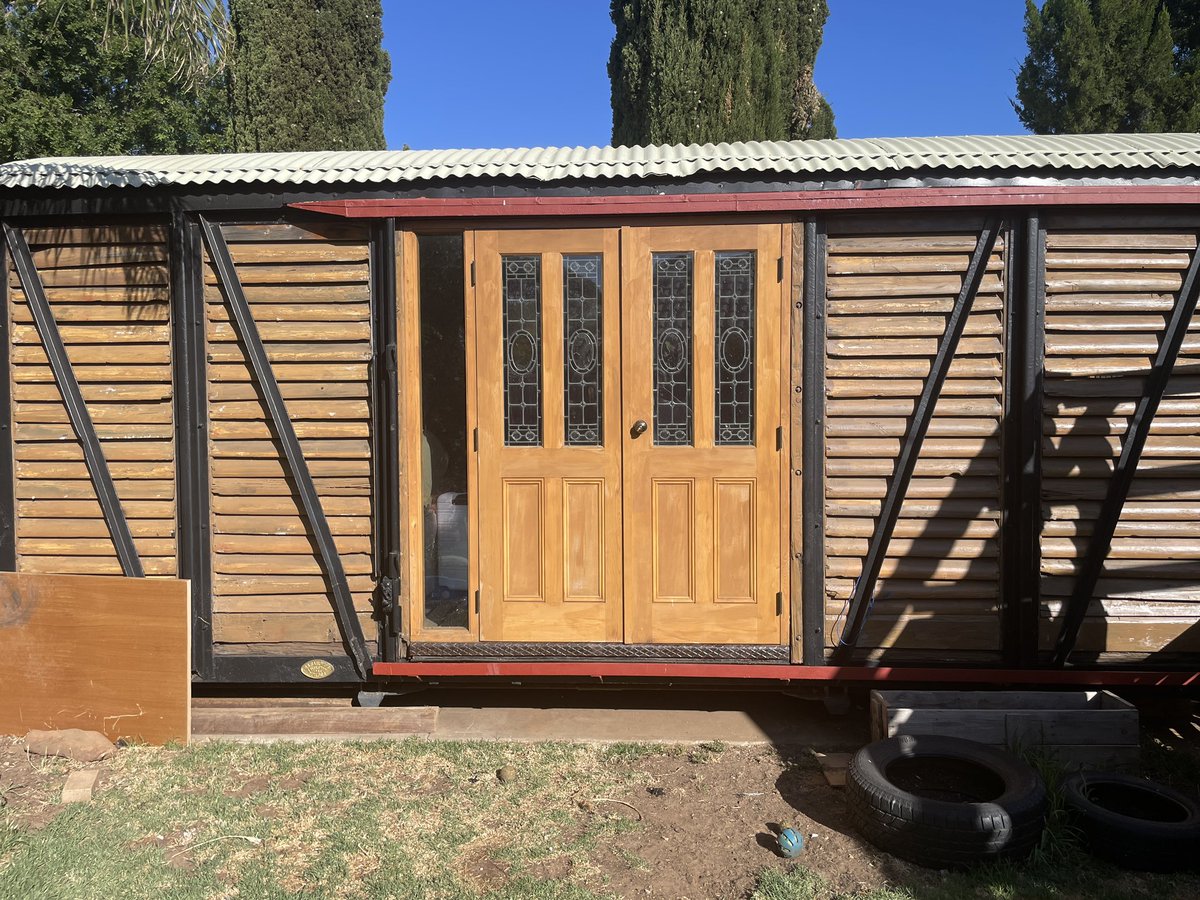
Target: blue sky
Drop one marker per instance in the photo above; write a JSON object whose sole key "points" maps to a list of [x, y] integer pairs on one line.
{"points": [[508, 73]]}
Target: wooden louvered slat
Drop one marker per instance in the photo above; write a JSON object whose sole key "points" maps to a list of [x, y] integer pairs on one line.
{"points": [[888, 299], [309, 292], [1108, 296], [107, 288]]}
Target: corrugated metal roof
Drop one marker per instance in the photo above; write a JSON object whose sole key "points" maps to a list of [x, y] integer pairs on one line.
{"points": [[1153, 153]]}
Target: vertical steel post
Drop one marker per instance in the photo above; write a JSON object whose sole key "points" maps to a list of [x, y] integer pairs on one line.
{"points": [[193, 528], [813, 473], [8, 503]]}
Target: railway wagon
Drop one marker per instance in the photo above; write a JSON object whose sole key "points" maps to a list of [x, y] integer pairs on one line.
{"points": [[774, 413]]}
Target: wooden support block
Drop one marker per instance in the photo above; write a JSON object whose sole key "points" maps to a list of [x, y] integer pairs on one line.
{"points": [[834, 767], [80, 785], [375, 722]]}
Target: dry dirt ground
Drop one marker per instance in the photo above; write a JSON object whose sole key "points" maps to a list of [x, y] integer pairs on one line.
{"points": [[431, 819]]}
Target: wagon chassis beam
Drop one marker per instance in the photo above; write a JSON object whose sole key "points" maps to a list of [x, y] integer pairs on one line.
{"points": [[1132, 445], [293, 455], [864, 588], [72, 397]]}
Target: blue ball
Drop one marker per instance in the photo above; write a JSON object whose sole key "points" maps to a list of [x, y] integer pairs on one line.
{"points": [[791, 843]]}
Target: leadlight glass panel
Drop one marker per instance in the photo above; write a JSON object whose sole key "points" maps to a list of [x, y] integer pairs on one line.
{"points": [[672, 300], [733, 385], [522, 350], [583, 357]]}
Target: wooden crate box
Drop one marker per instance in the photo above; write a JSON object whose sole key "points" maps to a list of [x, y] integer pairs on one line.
{"points": [[1077, 728]]}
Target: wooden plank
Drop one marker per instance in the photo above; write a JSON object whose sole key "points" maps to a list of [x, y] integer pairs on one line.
{"points": [[378, 721], [123, 667]]}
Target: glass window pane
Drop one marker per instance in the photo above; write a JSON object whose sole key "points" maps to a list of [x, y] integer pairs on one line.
{"points": [[672, 300], [734, 348], [522, 288], [583, 350], [444, 450]]}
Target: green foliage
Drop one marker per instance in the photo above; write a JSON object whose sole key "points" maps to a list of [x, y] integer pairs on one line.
{"points": [[65, 90], [1108, 66], [699, 71], [308, 75], [189, 36]]}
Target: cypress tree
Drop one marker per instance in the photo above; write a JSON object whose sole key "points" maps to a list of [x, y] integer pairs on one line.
{"points": [[1102, 66], [706, 71], [307, 75]]}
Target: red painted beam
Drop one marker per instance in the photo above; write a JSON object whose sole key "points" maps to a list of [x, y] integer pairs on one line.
{"points": [[763, 202], [676, 672]]}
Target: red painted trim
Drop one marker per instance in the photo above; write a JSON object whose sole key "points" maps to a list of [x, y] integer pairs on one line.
{"points": [[777, 201], [786, 673]]}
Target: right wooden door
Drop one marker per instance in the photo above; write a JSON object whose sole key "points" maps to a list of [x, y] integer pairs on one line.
{"points": [[702, 349]]}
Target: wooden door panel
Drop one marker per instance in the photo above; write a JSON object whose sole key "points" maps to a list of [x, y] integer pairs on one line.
{"points": [[548, 412], [702, 348]]}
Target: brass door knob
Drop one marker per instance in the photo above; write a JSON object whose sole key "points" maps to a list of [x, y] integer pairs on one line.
{"points": [[638, 429]]}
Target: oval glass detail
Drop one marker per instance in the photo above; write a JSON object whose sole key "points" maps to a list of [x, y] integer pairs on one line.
{"points": [[735, 350], [582, 352], [522, 353], [672, 350]]}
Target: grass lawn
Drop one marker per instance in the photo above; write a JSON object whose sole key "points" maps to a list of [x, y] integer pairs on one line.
{"points": [[420, 818]]}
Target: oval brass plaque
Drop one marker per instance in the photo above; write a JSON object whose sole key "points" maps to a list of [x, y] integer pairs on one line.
{"points": [[317, 669]]}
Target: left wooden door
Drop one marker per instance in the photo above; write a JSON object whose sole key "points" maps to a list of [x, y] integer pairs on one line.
{"points": [[547, 354]]}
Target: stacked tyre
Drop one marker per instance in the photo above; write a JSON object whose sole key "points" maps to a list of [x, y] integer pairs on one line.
{"points": [[1134, 823], [945, 802]]}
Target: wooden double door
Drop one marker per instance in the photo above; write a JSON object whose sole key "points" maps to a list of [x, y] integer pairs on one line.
{"points": [[629, 397]]}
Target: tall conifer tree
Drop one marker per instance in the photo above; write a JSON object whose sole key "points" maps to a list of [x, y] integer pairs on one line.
{"points": [[308, 75], [700, 71], [1107, 66]]}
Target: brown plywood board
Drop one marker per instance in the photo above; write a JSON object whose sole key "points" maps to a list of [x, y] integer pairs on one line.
{"points": [[95, 652]]}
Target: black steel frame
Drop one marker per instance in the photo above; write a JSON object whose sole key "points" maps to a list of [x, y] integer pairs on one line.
{"points": [[193, 531], [910, 448], [1021, 522], [385, 432], [813, 453], [8, 502], [1134, 441], [293, 454], [77, 411]]}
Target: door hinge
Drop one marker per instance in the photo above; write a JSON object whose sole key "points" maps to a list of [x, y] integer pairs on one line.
{"points": [[475, 439], [779, 438], [476, 601], [779, 269], [472, 273], [779, 603]]}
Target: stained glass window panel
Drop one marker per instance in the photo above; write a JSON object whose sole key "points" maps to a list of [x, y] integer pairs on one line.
{"points": [[733, 384], [672, 302], [522, 350], [583, 350]]}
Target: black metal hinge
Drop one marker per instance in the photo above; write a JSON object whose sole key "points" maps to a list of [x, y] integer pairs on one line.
{"points": [[476, 601], [779, 438], [779, 603], [475, 439], [779, 269], [472, 273]]}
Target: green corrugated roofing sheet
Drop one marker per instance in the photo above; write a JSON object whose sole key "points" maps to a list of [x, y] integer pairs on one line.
{"points": [[1151, 154]]}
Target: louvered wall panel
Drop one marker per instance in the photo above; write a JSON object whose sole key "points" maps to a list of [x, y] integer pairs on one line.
{"points": [[108, 287], [309, 291], [1108, 293], [888, 299]]}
